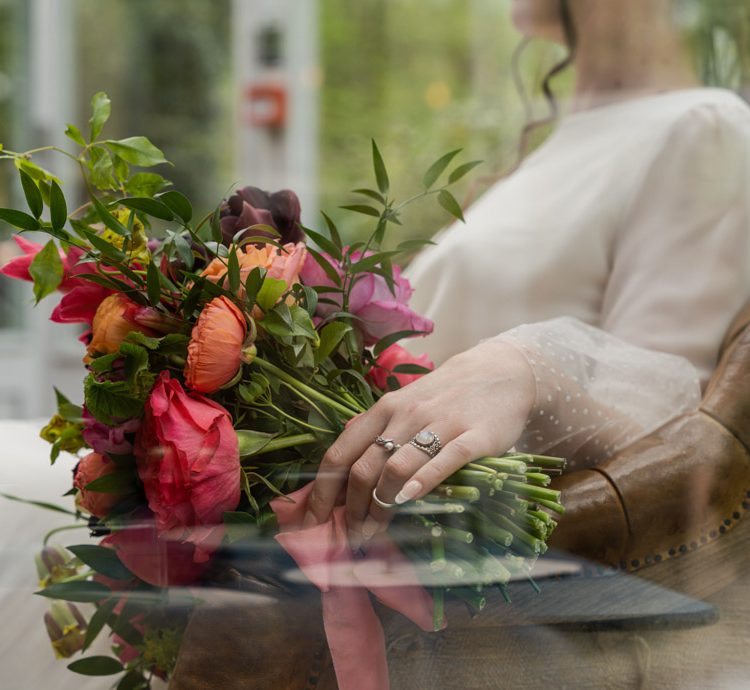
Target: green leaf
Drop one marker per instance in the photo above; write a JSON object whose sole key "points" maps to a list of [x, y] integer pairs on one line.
{"points": [[102, 169], [324, 243], [38, 504], [108, 219], [153, 285], [330, 338], [411, 369], [333, 231], [233, 272], [19, 219], [253, 284], [102, 108], [270, 293], [252, 442], [120, 482], [137, 151], [107, 249], [72, 132], [32, 194], [463, 170], [96, 666], [46, 269], [409, 245], [364, 210], [240, 526], [80, 591], [151, 207], [438, 168], [215, 225], [133, 680], [179, 204], [391, 339], [66, 409], [328, 268], [145, 184], [102, 559], [381, 174], [98, 621], [121, 168], [58, 207], [370, 193], [449, 203], [111, 401]]}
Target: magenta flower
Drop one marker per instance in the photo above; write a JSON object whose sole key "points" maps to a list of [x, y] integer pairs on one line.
{"points": [[380, 312], [109, 440]]}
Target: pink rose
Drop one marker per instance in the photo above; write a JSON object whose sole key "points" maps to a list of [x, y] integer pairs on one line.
{"points": [[389, 359], [188, 457], [381, 312]]}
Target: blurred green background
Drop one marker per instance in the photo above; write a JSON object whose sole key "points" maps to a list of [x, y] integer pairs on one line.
{"points": [[422, 77]]}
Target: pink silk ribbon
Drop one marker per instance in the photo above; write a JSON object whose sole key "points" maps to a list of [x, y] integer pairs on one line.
{"points": [[354, 632]]}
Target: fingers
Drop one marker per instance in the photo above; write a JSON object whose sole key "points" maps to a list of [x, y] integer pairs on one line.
{"points": [[366, 472], [334, 468], [459, 452]]}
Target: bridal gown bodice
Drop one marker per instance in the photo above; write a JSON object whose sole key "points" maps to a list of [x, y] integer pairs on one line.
{"points": [[632, 221]]}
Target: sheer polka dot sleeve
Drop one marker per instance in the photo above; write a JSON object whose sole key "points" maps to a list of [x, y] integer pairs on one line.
{"points": [[596, 393]]}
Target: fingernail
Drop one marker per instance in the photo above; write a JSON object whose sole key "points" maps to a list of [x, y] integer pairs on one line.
{"points": [[370, 528], [409, 492], [355, 541]]}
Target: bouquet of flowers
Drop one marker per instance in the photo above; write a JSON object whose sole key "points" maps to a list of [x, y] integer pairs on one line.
{"points": [[223, 355]]}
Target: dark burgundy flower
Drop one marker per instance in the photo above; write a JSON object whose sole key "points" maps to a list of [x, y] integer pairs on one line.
{"points": [[252, 206]]}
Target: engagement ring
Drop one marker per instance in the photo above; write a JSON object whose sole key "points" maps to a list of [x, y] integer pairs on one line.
{"points": [[428, 442]]}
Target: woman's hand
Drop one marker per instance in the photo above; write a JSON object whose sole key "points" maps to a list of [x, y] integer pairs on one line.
{"points": [[477, 404]]}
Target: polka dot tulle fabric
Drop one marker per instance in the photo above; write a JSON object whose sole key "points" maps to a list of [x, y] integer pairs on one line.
{"points": [[595, 393]]}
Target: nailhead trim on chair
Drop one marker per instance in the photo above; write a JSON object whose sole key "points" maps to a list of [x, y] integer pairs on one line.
{"points": [[676, 552]]}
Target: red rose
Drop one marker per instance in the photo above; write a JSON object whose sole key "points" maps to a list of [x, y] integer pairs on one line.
{"points": [[94, 466], [389, 359], [188, 458]]}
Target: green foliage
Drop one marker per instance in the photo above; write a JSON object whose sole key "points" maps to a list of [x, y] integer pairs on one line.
{"points": [[97, 666], [46, 269]]}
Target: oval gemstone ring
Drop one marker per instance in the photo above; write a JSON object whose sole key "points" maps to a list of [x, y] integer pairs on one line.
{"points": [[428, 442]]}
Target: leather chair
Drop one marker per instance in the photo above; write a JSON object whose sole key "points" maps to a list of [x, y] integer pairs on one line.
{"points": [[670, 507]]}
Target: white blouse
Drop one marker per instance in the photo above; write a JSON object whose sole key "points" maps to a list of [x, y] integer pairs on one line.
{"points": [[633, 221]]}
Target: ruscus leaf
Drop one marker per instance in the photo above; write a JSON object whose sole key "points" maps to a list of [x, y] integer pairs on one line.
{"points": [[438, 168]]}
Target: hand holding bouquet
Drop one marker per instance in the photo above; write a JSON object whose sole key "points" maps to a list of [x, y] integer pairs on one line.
{"points": [[224, 356]]}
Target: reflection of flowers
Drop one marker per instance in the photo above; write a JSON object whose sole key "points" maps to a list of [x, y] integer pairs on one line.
{"points": [[379, 311], [252, 206], [188, 457], [215, 349], [392, 357], [94, 466], [66, 628]]}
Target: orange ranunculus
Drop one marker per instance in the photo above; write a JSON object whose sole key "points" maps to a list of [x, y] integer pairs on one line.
{"points": [[283, 265], [114, 319], [215, 349], [94, 466]]}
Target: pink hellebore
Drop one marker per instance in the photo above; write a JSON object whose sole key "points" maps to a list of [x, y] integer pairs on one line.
{"points": [[381, 311]]}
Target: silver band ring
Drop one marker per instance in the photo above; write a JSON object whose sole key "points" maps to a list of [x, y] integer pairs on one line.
{"points": [[428, 442], [379, 503], [387, 444]]}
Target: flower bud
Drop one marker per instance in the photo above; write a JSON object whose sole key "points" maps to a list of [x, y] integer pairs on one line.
{"points": [[66, 434], [66, 628], [54, 563]]}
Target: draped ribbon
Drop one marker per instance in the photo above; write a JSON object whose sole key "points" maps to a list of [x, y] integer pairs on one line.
{"points": [[354, 632]]}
